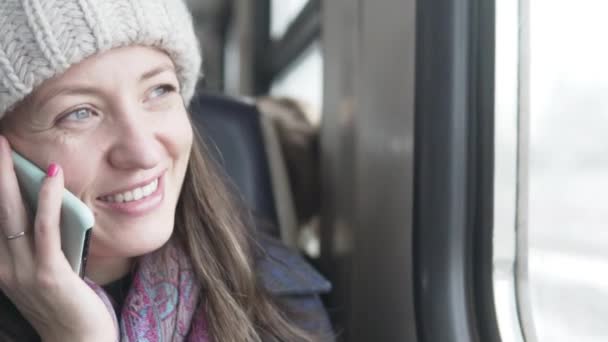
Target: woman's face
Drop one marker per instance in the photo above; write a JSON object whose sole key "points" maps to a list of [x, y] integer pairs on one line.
{"points": [[118, 127]]}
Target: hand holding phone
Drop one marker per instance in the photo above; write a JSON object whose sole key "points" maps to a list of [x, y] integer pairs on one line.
{"points": [[76, 220], [34, 274]]}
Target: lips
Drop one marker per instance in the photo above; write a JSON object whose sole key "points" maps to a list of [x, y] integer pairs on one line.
{"points": [[131, 188], [141, 199], [134, 194]]}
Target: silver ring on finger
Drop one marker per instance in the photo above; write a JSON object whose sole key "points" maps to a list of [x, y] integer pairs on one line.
{"points": [[15, 236]]}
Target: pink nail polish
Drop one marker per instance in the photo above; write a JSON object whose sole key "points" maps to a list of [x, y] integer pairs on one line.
{"points": [[52, 170]]}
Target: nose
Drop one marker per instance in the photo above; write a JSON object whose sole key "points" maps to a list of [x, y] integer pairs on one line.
{"points": [[134, 146]]}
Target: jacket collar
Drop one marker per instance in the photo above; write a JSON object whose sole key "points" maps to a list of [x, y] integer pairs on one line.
{"points": [[285, 272]]}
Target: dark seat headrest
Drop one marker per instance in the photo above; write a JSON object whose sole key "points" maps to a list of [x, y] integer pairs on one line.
{"points": [[231, 128]]}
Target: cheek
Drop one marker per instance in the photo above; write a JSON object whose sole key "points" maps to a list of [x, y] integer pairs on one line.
{"points": [[80, 167], [77, 160], [78, 174], [178, 137], [80, 160]]}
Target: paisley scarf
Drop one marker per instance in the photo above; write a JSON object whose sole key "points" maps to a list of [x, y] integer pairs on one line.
{"points": [[162, 303]]}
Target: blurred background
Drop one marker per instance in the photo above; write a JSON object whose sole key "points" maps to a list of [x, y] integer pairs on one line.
{"points": [[566, 108]]}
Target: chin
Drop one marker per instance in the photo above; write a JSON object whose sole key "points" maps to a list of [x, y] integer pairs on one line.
{"points": [[130, 242]]}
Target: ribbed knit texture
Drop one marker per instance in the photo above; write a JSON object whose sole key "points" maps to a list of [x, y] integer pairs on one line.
{"points": [[43, 38]]}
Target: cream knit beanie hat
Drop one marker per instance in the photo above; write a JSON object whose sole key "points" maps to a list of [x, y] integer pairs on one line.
{"points": [[43, 38]]}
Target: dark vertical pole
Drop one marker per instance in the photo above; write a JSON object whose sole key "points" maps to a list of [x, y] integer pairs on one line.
{"points": [[260, 63], [210, 25], [454, 171], [252, 20], [222, 27], [482, 64], [339, 20], [367, 142]]}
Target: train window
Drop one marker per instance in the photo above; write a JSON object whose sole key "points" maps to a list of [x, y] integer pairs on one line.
{"points": [[567, 166], [283, 12], [506, 173], [303, 80]]}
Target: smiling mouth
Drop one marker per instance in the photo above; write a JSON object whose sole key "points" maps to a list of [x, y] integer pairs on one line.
{"points": [[133, 194]]}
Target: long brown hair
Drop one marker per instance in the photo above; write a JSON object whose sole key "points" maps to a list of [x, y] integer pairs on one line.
{"points": [[213, 231], [218, 238]]}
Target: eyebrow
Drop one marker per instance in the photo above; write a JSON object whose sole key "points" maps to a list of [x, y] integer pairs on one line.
{"points": [[91, 90], [65, 90], [156, 71]]}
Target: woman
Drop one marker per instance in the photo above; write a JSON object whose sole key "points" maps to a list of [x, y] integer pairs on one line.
{"points": [[95, 92]]}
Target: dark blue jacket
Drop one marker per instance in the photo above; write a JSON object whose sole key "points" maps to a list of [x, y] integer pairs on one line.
{"points": [[297, 285]]}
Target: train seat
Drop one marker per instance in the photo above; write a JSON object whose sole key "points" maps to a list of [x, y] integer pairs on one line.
{"points": [[245, 146]]}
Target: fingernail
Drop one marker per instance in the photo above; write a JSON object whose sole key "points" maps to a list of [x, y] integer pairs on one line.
{"points": [[53, 170]]}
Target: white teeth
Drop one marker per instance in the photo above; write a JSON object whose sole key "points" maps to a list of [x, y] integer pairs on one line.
{"points": [[138, 194], [147, 189], [128, 196], [133, 195]]}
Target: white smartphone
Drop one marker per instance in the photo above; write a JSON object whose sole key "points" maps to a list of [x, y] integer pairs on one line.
{"points": [[76, 221]]}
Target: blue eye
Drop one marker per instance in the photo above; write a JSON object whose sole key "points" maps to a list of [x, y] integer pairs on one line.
{"points": [[78, 115], [161, 91]]}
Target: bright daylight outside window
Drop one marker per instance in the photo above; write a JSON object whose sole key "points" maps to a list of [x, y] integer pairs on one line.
{"points": [[568, 170], [282, 13], [304, 81], [507, 169]]}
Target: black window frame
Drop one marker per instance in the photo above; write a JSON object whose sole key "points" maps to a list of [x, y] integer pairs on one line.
{"points": [[454, 169]]}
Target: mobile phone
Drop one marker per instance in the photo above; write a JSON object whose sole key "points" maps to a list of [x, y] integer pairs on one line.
{"points": [[76, 220]]}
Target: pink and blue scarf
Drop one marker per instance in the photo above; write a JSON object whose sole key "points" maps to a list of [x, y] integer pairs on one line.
{"points": [[162, 303]]}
